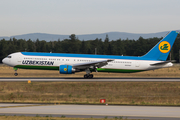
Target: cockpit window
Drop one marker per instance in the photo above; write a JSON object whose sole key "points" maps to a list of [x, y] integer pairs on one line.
{"points": [[8, 56]]}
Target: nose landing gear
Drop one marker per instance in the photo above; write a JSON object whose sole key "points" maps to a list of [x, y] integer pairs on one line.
{"points": [[16, 74], [15, 69]]}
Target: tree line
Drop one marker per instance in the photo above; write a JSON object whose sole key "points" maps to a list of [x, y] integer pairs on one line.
{"points": [[74, 45]]}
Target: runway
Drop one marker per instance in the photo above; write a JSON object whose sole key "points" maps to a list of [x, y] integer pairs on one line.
{"points": [[90, 80], [97, 111]]}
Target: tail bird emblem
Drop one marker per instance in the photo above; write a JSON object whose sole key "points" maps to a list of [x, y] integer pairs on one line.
{"points": [[164, 47]]}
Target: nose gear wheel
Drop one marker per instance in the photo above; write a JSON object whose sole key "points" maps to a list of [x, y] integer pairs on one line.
{"points": [[16, 74]]}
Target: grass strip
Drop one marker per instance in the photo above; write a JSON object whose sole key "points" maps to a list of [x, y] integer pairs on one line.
{"points": [[47, 117], [121, 93]]}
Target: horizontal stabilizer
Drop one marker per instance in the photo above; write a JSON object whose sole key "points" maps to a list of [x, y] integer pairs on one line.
{"points": [[162, 63]]}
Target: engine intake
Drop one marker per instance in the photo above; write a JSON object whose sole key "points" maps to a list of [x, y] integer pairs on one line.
{"points": [[66, 69]]}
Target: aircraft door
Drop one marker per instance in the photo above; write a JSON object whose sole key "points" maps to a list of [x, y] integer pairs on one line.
{"points": [[137, 64], [19, 61]]}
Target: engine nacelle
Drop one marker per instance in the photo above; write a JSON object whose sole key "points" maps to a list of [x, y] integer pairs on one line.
{"points": [[66, 69]]}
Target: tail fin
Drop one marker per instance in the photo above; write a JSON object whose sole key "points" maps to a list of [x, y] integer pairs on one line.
{"points": [[161, 50]]}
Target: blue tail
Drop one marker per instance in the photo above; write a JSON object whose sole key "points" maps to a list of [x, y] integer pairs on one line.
{"points": [[161, 50]]}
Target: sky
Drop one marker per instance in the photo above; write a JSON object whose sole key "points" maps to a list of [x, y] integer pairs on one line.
{"points": [[78, 17]]}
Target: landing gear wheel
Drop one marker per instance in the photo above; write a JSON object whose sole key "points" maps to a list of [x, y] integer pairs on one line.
{"points": [[88, 76], [15, 69], [85, 76], [15, 74]]}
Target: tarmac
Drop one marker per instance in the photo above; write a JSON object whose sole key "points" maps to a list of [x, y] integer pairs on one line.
{"points": [[20, 79], [95, 111]]}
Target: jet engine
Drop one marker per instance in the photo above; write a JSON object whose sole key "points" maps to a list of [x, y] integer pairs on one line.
{"points": [[66, 69]]}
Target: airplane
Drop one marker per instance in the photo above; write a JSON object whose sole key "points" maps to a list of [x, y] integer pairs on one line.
{"points": [[72, 63]]}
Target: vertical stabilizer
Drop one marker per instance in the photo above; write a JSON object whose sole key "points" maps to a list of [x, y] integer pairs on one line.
{"points": [[161, 50]]}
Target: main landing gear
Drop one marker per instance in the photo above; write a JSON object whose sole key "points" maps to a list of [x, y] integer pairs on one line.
{"points": [[88, 75], [16, 74]]}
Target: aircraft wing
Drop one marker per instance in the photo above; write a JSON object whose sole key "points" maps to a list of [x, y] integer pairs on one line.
{"points": [[95, 64]]}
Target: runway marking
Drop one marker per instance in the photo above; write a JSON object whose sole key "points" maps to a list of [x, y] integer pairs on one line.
{"points": [[21, 106], [91, 80]]}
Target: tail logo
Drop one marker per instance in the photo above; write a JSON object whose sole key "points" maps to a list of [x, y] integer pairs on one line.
{"points": [[164, 47]]}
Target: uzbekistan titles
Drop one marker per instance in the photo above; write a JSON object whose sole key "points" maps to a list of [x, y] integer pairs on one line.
{"points": [[30, 62]]}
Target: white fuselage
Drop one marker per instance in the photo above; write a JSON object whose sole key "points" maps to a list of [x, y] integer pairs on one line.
{"points": [[18, 59]]}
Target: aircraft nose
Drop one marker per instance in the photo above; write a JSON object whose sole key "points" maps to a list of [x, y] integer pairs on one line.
{"points": [[3, 61]]}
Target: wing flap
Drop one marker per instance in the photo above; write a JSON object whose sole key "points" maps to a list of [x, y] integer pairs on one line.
{"points": [[91, 64]]}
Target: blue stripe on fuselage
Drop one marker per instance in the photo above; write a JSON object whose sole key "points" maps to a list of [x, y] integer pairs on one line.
{"points": [[84, 56]]}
